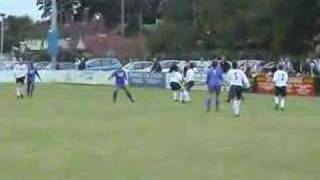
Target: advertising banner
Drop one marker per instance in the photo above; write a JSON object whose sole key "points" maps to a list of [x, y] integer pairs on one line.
{"points": [[87, 77], [302, 86], [147, 79], [67, 76]]}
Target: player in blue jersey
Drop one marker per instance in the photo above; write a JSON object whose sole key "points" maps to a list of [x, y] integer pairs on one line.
{"points": [[31, 78], [120, 83], [214, 83]]}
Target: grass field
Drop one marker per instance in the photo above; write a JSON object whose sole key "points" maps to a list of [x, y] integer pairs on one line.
{"points": [[77, 133]]}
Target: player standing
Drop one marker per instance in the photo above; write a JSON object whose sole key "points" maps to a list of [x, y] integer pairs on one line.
{"points": [[237, 80], [214, 83], [280, 78], [176, 80], [31, 77], [20, 72], [120, 83], [190, 81]]}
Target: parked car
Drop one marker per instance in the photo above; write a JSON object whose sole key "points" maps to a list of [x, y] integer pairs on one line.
{"points": [[10, 64], [202, 66], [269, 67], [41, 65], [103, 64], [3, 66], [62, 66], [166, 64], [144, 66]]}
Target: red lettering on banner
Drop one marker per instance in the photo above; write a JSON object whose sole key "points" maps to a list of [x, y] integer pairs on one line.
{"points": [[302, 86]]}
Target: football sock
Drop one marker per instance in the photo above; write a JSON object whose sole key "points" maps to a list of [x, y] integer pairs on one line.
{"points": [[187, 96], [217, 103], [238, 103], [276, 100], [282, 103], [114, 97], [175, 95], [234, 106], [18, 91], [130, 96], [208, 104]]}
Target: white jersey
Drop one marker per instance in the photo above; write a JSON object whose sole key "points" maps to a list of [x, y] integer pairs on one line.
{"points": [[280, 78], [237, 77], [20, 70], [176, 77], [190, 75]]}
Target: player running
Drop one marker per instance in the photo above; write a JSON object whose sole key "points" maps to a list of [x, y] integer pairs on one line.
{"points": [[214, 82], [237, 80], [190, 81], [176, 80], [20, 72], [31, 78], [120, 83], [280, 78]]}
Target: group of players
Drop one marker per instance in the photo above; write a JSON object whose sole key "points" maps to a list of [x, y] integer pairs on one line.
{"points": [[235, 79], [25, 73], [181, 84]]}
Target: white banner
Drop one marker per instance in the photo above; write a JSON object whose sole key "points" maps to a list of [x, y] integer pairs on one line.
{"points": [[68, 76], [88, 77]]}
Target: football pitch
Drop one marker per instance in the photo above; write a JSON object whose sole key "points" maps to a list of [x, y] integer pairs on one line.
{"points": [[76, 133]]}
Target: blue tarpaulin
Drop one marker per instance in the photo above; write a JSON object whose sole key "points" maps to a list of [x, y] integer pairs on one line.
{"points": [[53, 42]]}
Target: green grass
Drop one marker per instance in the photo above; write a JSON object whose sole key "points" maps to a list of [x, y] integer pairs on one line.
{"points": [[77, 133]]}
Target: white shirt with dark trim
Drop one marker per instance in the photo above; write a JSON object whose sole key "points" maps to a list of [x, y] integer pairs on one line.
{"points": [[237, 77], [20, 70], [191, 74], [280, 78], [176, 77]]}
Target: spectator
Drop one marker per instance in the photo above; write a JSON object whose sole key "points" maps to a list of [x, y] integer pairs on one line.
{"points": [[82, 65], [185, 68], [156, 68], [247, 69], [306, 68], [313, 67], [317, 63], [297, 66], [224, 64]]}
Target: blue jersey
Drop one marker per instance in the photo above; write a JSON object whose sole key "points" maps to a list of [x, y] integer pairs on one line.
{"points": [[31, 75], [120, 76], [215, 77]]}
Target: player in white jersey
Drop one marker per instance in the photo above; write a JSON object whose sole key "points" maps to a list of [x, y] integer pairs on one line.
{"points": [[176, 80], [190, 81], [20, 72], [237, 80], [280, 79]]}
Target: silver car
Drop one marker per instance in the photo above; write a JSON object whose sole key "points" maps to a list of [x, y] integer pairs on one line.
{"points": [[143, 66]]}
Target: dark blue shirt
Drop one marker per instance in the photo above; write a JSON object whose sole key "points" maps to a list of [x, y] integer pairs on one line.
{"points": [[120, 76], [215, 77], [32, 73]]}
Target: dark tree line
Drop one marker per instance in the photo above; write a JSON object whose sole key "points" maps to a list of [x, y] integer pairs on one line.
{"points": [[277, 27], [274, 26]]}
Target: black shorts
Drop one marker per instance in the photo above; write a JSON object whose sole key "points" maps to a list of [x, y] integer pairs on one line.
{"points": [[236, 92], [189, 85], [175, 86], [20, 80], [281, 91]]}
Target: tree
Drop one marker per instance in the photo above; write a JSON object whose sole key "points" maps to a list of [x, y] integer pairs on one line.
{"points": [[275, 26], [18, 29], [65, 7]]}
